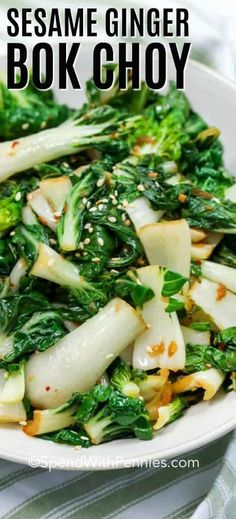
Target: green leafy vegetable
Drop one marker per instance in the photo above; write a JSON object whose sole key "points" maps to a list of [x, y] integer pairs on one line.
{"points": [[201, 357], [27, 111], [40, 332], [174, 305], [121, 378], [70, 226], [171, 412], [118, 416], [200, 326], [227, 338], [173, 283], [7, 257], [68, 436]]}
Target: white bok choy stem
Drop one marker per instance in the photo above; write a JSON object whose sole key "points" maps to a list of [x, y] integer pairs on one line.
{"points": [[28, 216], [41, 207], [141, 213], [153, 384], [55, 190], [18, 271], [49, 420], [216, 302], [52, 266], [14, 388], [44, 146], [197, 235], [220, 274], [203, 250], [12, 413], [169, 413], [162, 344], [192, 336], [6, 347], [127, 354], [78, 360], [168, 244], [210, 380]]}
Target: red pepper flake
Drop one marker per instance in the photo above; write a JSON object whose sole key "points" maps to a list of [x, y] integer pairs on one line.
{"points": [[47, 388], [220, 292], [14, 144]]}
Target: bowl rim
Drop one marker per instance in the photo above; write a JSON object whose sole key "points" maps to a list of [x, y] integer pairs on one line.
{"points": [[114, 462]]}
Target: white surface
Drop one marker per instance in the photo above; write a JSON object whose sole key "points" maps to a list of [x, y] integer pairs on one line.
{"points": [[215, 99]]}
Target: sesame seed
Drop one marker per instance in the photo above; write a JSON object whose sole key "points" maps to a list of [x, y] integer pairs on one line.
{"points": [[43, 124], [114, 202], [116, 192], [112, 219], [81, 245], [96, 260], [127, 222], [6, 374], [86, 241], [65, 164], [84, 200], [77, 254], [114, 271], [123, 217], [85, 253], [104, 200], [140, 187], [88, 204], [100, 182], [52, 241], [18, 196], [12, 233], [101, 241], [125, 203], [111, 197], [87, 226], [100, 207], [51, 262], [90, 230], [93, 209], [23, 422], [78, 447], [25, 126]]}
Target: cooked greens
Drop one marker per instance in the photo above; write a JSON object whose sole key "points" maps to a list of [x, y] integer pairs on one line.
{"points": [[117, 263]]}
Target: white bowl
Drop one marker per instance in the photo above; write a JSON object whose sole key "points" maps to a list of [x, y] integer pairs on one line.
{"points": [[215, 99]]}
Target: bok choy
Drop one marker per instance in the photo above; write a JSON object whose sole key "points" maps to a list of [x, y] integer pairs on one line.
{"points": [[117, 263]]}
